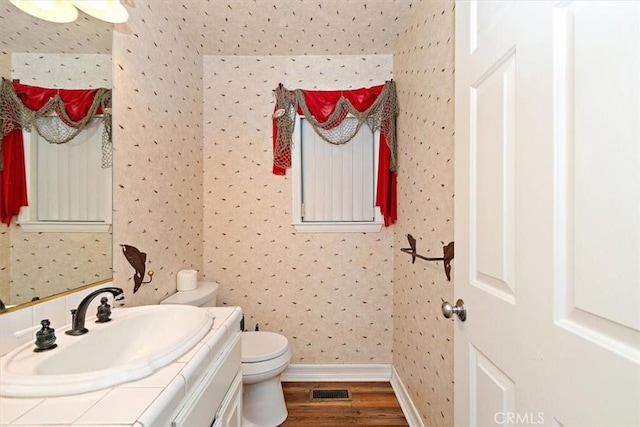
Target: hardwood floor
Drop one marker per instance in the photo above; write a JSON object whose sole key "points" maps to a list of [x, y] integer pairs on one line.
{"points": [[371, 404]]}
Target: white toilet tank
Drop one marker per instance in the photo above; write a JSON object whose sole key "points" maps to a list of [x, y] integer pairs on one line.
{"points": [[205, 295]]}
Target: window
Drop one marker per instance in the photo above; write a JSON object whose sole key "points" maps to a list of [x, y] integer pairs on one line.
{"points": [[334, 186], [68, 189]]}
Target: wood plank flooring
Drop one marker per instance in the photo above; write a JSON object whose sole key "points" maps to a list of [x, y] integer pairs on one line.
{"points": [[371, 404]]}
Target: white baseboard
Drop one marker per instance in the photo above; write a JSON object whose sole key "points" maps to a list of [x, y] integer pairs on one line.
{"points": [[310, 373], [408, 408]]}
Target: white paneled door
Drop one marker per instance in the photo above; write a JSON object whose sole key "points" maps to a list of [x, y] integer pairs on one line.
{"points": [[547, 213]]}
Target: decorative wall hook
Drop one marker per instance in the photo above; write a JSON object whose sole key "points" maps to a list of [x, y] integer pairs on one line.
{"points": [[448, 255], [137, 260]]}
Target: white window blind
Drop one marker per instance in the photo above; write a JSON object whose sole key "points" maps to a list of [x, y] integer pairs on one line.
{"points": [[66, 182], [334, 185]]}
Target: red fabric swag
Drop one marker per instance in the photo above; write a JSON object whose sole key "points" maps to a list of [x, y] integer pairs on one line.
{"points": [[77, 102], [386, 192], [13, 183], [321, 103]]}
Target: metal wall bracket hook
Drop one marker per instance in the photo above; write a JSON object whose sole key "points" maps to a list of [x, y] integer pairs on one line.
{"points": [[448, 255], [137, 260]]}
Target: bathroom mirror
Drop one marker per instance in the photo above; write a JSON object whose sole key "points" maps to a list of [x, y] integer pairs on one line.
{"points": [[73, 55]]}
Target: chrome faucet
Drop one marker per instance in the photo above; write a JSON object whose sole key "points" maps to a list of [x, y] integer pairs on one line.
{"points": [[78, 315]]}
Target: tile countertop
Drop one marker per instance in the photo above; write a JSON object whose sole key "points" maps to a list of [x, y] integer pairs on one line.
{"points": [[138, 403]]}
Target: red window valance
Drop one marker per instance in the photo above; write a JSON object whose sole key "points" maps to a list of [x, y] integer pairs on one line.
{"points": [[375, 106], [23, 107]]}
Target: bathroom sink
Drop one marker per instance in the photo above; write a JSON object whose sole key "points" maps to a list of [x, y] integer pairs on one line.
{"points": [[134, 344]]}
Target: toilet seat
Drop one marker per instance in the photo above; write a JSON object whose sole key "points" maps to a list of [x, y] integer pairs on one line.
{"points": [[259, 347], [266, 368]]}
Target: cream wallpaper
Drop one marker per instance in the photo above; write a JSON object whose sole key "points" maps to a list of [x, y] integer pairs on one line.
{"points": [[330, 294], [295, 27], [42, 264], [422, 338], [5, 65], [5, 270], [157, 147], [69, 71]]}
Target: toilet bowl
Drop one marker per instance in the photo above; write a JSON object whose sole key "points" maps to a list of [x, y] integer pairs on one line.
{"points": [[265, 355]]}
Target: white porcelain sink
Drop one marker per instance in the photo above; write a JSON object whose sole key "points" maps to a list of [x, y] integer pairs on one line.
{"points": [[134, 344]]}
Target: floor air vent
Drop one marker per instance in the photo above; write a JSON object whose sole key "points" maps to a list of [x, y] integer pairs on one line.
{"points": [[325, 394]]}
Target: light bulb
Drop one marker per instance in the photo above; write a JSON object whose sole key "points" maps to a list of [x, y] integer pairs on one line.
{"points": [[105, 10], [60, 11]]}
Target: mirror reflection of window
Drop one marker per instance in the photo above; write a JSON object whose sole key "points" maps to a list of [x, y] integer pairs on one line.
{"points": [[68, 187]]}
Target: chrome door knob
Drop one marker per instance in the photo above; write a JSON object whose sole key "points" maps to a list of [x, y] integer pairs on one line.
{"points": [[449, 310]]}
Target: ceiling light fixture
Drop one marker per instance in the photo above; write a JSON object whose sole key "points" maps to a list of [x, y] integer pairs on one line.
{"points": [[105, 10], [50, 10], [63, 11]]}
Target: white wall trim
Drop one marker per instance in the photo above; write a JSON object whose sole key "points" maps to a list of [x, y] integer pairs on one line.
{"points": [[64, 226], [335, 372], [408, 408]]}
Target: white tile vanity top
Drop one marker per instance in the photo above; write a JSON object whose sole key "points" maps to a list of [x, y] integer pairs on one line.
{"points": [[137, 403]]}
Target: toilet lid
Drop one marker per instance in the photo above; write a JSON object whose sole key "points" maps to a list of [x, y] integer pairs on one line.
{"points": [[261, 346]]}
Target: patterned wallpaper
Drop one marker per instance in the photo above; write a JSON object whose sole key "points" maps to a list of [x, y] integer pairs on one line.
{"points": [[5, 270], [42, 264], [62, 70], [295, 27], [158, 147], [423, 339], [330, 294], [5, 65], [223, 27]]}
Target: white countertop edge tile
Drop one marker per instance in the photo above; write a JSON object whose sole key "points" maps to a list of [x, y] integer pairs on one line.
{"points": [[194, 369], [164, 405]]}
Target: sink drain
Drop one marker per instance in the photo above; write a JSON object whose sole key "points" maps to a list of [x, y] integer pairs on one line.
{"points": [[330, 394]]}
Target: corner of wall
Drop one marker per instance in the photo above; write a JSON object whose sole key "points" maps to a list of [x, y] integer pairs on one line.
{"points": [[423, 339]]}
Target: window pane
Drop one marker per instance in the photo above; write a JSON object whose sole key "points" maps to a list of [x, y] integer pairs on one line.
{"points": [[71, 183], [338, 181]]}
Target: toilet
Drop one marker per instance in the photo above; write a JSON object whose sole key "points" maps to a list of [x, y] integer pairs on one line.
{"points": [[265, 355]]}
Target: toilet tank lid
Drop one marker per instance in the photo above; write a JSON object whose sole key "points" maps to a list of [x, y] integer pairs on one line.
{"points": [[200, 295]]}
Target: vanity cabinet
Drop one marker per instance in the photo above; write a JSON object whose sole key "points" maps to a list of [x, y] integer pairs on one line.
{"points": [[230, 413], [216, 398]]}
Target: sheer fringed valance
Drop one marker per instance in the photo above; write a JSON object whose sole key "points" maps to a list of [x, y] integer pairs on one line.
{"points": [[377, 107], [58, 115]]}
